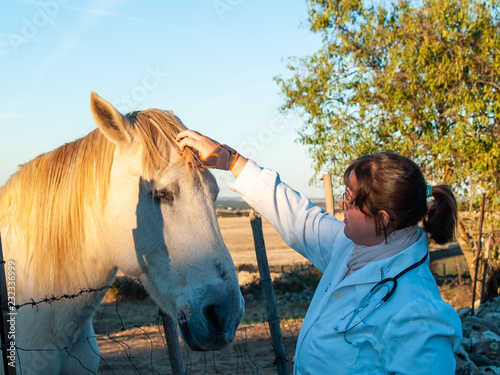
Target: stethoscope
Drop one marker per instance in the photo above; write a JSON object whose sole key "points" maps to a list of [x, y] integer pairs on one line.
{"points": [[364, 303]]}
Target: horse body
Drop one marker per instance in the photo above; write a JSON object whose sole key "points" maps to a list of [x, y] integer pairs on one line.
{"points": [[120, 198]]}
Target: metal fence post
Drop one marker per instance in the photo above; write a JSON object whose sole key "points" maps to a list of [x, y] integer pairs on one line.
{"points": [[9, 368], [268, 293]]}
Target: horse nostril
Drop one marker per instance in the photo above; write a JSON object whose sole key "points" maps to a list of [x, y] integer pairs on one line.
{"points": [[213, 316]]}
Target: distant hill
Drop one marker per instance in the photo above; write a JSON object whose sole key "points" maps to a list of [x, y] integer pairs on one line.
{"points": [[238, 204], [231, 204]]}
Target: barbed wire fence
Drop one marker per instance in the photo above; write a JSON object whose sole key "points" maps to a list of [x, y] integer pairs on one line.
{"points": [[139, 348], [144, 345]]}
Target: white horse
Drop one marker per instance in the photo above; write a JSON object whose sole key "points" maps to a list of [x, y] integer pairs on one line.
{"points": [[120, 198]]}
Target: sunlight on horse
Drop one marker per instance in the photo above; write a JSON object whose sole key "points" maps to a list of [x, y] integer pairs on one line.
{"points": [[120, 198]]}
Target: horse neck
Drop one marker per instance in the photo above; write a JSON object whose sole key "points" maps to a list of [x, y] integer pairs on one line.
{"points": [[50, 210]]}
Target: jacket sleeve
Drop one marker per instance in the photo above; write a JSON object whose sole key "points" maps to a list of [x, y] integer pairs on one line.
{"points": [[421, 339], [304, 226]]}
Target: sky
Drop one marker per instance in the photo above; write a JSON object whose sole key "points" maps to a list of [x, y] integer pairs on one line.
{"points": [[212, 62]]}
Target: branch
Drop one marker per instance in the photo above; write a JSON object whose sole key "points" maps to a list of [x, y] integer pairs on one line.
{"points": [[487, 83]]}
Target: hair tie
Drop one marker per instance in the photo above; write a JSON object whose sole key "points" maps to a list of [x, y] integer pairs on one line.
{"points": [[428, 191]]}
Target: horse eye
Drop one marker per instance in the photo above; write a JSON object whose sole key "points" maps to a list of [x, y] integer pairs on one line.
{"points": [[164, 196]]}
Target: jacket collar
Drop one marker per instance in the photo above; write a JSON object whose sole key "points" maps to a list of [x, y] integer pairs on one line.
{"points": [[388, 267]]}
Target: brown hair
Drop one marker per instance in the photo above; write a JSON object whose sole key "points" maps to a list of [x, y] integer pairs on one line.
{"points": [[395, 184]]}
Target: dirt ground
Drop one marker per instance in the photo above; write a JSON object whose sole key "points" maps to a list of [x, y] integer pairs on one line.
{"points": [[138, 350], [143, 351]]}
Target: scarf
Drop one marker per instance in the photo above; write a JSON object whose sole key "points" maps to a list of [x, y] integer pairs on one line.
{"points": [[397, 241]]}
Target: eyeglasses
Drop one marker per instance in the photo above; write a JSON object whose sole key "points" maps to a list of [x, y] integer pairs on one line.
{"points": [[345, 202]]}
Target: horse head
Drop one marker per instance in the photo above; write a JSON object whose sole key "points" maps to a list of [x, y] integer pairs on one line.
{"points": [[160, 225]]}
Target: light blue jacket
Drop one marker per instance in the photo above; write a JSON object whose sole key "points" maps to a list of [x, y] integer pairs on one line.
{"points": [[414, 332]]}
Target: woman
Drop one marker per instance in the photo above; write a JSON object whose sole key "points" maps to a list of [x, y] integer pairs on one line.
{"points": [[379, 253]]}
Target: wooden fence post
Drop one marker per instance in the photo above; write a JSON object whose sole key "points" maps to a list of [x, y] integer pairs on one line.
{"points": [[268, 293], [173, 346], [329, 201], [4, 322]]}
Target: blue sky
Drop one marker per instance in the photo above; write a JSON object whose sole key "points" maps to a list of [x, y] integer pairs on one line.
{"points": [[211, 62]]}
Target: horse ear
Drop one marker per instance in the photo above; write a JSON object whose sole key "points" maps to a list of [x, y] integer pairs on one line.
{"points": [[111, 122]]}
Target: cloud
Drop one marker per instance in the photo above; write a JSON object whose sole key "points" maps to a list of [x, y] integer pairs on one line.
{"points": [[104, 13], [3, 40], [14, 103], [9, 114], [135, 19], [8, 39], [71, 38]]}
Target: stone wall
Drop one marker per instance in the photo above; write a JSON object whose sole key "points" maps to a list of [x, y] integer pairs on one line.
{"points": [[480, 349]]}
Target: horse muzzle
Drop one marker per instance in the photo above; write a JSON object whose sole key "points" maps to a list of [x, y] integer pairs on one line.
{"points": [[211, 326]]}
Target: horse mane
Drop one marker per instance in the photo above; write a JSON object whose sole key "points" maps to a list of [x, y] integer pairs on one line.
{"points": [[51, 199], [157, 130]]}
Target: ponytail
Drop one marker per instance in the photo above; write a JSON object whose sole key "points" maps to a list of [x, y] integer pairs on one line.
{"points": [[442, 216]]}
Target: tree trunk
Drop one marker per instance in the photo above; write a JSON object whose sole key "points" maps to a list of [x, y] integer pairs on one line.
{"points": [[469, 248], [466, 246]]}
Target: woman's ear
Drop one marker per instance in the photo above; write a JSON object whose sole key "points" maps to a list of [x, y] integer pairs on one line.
{"points": [[386, 219]]}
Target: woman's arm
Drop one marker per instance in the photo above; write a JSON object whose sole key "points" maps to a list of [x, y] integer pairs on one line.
{"points": [[302, 225]]}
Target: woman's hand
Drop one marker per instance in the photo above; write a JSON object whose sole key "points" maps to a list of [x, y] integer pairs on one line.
{"points": [[198, 141], [212, 153]]}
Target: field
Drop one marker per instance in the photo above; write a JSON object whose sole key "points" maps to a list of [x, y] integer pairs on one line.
{"points": [[132, 350]]}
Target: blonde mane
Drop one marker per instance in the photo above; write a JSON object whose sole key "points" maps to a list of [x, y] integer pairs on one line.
{"points": [[157, 130], [49, 201]]}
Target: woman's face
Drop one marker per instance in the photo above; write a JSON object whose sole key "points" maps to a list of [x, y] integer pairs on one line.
{"points": [[359, 228]]}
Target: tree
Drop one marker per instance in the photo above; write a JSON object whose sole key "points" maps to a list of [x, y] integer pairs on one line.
{"points": [[419, 78]]}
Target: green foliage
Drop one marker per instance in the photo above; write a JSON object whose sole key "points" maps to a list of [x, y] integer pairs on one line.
{"points": [[419, 78], [126, 288]]}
